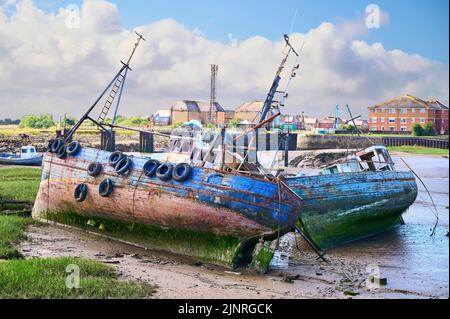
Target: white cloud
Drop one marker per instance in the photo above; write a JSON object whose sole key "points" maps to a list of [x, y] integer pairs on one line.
{"points": [[47, 67]]}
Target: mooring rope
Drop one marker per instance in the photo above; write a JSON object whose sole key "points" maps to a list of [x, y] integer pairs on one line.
{"points": [[429, 194]]}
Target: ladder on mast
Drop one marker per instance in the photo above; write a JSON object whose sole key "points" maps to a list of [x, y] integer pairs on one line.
{"points": [[118, 85]]}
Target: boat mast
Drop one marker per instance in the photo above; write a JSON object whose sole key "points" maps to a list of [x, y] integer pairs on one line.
{"points": [[276, 82], [117, 84]]}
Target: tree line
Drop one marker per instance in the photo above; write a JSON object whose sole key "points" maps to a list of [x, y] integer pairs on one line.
{"points": [[45, 121]]}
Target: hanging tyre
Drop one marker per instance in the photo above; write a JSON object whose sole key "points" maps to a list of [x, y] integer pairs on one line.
{"points": [[81, 193], [62, 152], [73, 148], [106, 187], [124, 165], [182, 172], [115, 158], [94, 169], [151, 167], [164, 172], [50, 144], [56, 145]]}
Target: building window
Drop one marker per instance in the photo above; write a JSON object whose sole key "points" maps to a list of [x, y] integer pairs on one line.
{"points": [[392, 111], [422, 111], [374, 119], [404, 120], [413, 110], [422, 121], [374, 111], [404, 111], [383, 110], [413, 120], [374, 128], [392, 120], [383, 120], [382, 128], [391, 128], [403, 129]]}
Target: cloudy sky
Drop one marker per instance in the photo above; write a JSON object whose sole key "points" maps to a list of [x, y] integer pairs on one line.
{"points": [[54, 60]]}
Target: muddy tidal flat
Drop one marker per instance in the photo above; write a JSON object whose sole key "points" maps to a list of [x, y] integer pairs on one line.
{"points": [[415, 264]]}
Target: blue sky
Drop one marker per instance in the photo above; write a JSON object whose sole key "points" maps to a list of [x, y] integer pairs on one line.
{"points": [[415, 26]]}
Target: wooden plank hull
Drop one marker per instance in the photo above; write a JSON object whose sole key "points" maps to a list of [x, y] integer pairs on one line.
{"points": [[222, 207], [341, 208]]}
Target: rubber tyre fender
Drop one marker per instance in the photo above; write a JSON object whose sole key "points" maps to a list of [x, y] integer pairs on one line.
{"points": [[182, 172], [81, 192], [164, 172], [115, 158], [106, 187], [151, 167], [124, 165], [94, 169], [49, 148], [73, 148], [56, 145], [62, 152]]}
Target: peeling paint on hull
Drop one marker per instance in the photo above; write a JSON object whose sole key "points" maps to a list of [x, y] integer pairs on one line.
{"points": [[209, 203], [341, 208]]}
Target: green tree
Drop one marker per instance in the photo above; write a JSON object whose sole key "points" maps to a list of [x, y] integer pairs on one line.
{"points": [[428, 129], [234, 123], [37, 121], [417, 130], [68, 121]]}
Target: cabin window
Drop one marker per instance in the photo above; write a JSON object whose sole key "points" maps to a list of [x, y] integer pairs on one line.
{"points": [[24, 151]]}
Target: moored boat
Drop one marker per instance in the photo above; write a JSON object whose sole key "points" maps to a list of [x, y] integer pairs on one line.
{"points": [[211, 215], [27, 157]]}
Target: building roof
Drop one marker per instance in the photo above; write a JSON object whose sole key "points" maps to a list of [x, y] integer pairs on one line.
{"points": [[195, 106], [254, 106], [409, 101], [437, 104], [162, 113], [309, 120]]}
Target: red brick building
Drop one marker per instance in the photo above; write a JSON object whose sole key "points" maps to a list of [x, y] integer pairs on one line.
{"points": [[400, 115]]}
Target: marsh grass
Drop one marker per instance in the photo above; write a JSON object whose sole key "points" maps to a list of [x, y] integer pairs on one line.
{"points": [[46, 279], [19, 184], [12, 231], [419, 150]]}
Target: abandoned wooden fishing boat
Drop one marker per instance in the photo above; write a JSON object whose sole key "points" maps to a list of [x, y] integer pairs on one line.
{"points": [[354, 198], [212, 215], [27, 157], [163, 201]]}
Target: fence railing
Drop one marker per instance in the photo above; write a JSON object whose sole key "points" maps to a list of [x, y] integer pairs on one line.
{"points": [[415, 141]]}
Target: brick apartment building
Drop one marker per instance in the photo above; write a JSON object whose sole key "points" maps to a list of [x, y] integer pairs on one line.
{"points": [[400, 115]]}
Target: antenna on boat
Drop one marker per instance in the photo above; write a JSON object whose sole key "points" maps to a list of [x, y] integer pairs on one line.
{"points": [[117, 84], [268, 104]]}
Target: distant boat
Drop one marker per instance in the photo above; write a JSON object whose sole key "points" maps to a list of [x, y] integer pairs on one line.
{"points": [[27, 157]]}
